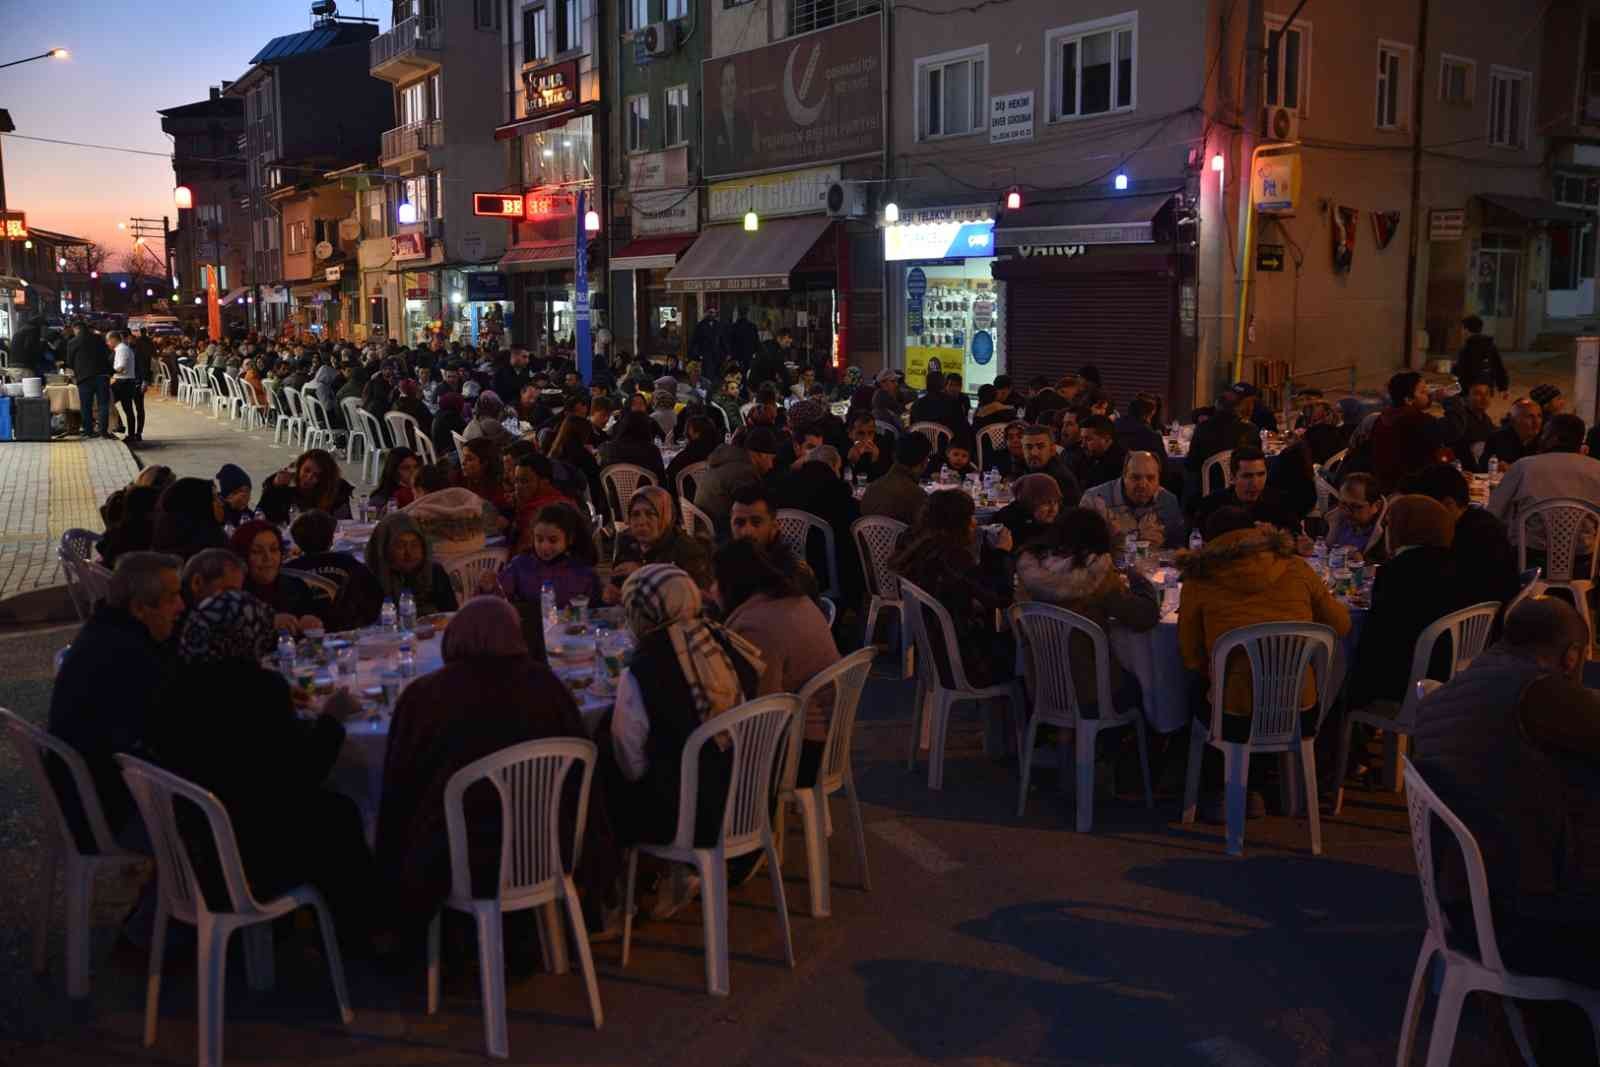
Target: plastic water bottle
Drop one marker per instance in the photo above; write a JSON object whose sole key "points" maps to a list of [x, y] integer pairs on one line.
{"points": [[389, 618], [408, 611], [286, 652], [944, 474], [407, 654], [1196, 541], [1494, 466], [1130, 548], [547, 603]]}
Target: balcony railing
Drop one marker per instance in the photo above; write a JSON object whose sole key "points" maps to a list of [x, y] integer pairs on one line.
{"points": [[412, 138], [418, 33]]}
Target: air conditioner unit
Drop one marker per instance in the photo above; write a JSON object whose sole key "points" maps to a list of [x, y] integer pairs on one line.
{"points": [[661, 38], [846, 200], [1281, 123]]}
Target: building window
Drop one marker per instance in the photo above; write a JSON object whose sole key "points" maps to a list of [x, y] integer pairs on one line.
{"points": [[952, 92], [486, 14], [1498, 273], [425, 194], [1394, 66], [569, 28], [1092, 67], [299, 236], [677, 9], [807, 15], [559, 156], [1508, 107], [677, 115], [374, 216], [1577, 190], [1288, 68], [636, 14], [1457, 78], [222, 276], [638, 112], [535, 34]]}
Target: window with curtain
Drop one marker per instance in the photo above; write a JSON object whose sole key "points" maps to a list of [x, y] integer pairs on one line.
{"points": [[1092, 68], [952, 94]]}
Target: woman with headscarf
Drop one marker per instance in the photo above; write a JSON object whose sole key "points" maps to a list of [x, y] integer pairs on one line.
{"points": [[486, 414], [634, 441], [313, 482], [449, 420], [328, 383], [489, 695], [653, 537], [188, 518], [399, 556], [230, 726], [483, 472], [1418, 585], [685, 670], [294, 603], [135, 527], [1033, 509], [664, 403]]}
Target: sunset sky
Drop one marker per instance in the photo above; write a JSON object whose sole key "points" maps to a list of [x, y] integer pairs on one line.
{"points": [[128, 58]]}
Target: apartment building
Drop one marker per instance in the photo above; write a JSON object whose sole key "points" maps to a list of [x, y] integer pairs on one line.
{"points": [[429, 267], [310, 106], [215, 230]]}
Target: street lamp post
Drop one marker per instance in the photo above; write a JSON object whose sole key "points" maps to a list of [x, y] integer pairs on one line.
{"points": [[54, 53]]}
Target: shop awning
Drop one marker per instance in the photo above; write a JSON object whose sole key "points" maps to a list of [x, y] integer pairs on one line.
{"points": [[539, 255], [521, 127], [1534, 209], [235, 294], [1109, 220], [651, 253], [729, 258]]}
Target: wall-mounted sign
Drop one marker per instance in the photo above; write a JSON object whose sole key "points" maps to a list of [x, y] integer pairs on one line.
{"points": [[938, 240], [551, 89], [797, 192], [665, 211], [497, 205], [14, 225], [1447, 224], [1011, 118], [916, 291], [659, 170], [1039, 251], [1277, 183], [536, 206], [333, 274], [1269, 258], [814, 98], [486, 285], [408, 246]]}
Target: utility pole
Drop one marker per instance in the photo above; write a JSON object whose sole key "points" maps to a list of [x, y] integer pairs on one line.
{"points": [[1249, 123], [1419, 97]]}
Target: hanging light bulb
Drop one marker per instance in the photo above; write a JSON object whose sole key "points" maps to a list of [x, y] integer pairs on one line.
{"points": [[752, 221], [183, 196], [1013, 198], [407, 213], [1217, 162], [591, 221], [1121, 182], [891, 212]]}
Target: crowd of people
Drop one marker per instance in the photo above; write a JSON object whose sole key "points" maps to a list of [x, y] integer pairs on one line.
{"points": [[204, 581]]}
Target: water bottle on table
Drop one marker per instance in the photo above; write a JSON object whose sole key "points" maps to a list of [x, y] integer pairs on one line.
{"points": [[407, 657], [389, 617], [286, 653], [547, 604], [408, 611], [1196, 541]]}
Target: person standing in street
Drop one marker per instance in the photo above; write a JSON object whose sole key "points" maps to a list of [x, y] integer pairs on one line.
{"points": [[90, 361], [1479, 358], [125, 383]]}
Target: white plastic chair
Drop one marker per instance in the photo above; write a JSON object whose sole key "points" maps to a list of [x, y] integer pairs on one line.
{"points": [[1215, 463], [465, 571], [157, 792], [696, 523], [1280, 654], [876, 537], [425, 450], [221, 394], [845, 679], [319, 432], [403, 429], [459, 441], [938, 695], [1465, 973], [185, 383], [63, 850], [991, 439], [893, 429], [1563, 520], [756, 734], [830, 610], [1530, 581], [1469, 633], [295, 427], [74, 551], [688, 476], [372, 430], [1326, 493], [619, 481], [530, 779], [1044, 632], [795, 528], [278, 412], [355, 432], [93, 583], [937, 434], [200, 389]]}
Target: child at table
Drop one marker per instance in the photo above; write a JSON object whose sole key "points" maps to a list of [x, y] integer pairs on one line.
{"points": [[561, 553], [957, 455]]}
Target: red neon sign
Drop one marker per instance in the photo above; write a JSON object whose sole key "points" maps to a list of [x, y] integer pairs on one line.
{"points": [[537, 206], [498, 205]]}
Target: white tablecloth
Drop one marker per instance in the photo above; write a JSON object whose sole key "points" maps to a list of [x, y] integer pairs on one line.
{"points": [[64, 398]]}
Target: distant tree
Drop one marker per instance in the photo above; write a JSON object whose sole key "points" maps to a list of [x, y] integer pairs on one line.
{"points": [[142, 270], [86, 259]]}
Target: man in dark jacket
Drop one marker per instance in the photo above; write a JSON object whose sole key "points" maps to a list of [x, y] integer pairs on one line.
{"points": [[769, 365], [1468, 427], [1250, 491], [90, 361], [1405, 437], [1485, 560], [1519, 437], [27, 347], [1480, 358], [743, 339], [105, 692], [1224, 431], [1102, 456], [1136, 430], [1041, 456], [510, 378]]}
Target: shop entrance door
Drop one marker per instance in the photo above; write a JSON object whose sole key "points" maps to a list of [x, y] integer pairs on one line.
{"points": [[1498, 281]]}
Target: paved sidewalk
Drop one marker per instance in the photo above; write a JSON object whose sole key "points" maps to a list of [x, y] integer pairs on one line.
{"points": [[45, 490]]}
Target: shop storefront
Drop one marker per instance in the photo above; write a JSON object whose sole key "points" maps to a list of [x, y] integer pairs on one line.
{"points": [[1103, 282], [664, 209], [480, 307], [947, 310]]}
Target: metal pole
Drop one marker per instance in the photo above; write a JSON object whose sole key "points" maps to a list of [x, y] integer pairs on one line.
{"points": [[1414, 246], [1249, 123]]}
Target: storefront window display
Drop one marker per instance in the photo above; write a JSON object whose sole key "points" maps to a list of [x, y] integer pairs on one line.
{"points": [[559, 156], [661, 314], [953, 322], [480, 308], [809, 310], [422, 317], [548, 298]]}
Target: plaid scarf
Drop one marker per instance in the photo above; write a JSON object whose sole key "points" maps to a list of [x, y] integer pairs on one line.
{"points": [[660, 596]]}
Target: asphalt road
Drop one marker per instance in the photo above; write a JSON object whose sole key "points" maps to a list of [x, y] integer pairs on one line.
{"points": [[986, 939]]}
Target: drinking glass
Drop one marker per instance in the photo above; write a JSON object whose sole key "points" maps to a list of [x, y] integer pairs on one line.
{"points": [[580, 610], [390, 680]]}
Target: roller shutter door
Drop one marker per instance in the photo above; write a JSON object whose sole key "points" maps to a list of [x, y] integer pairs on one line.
{"points": [[1125, 323]]}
